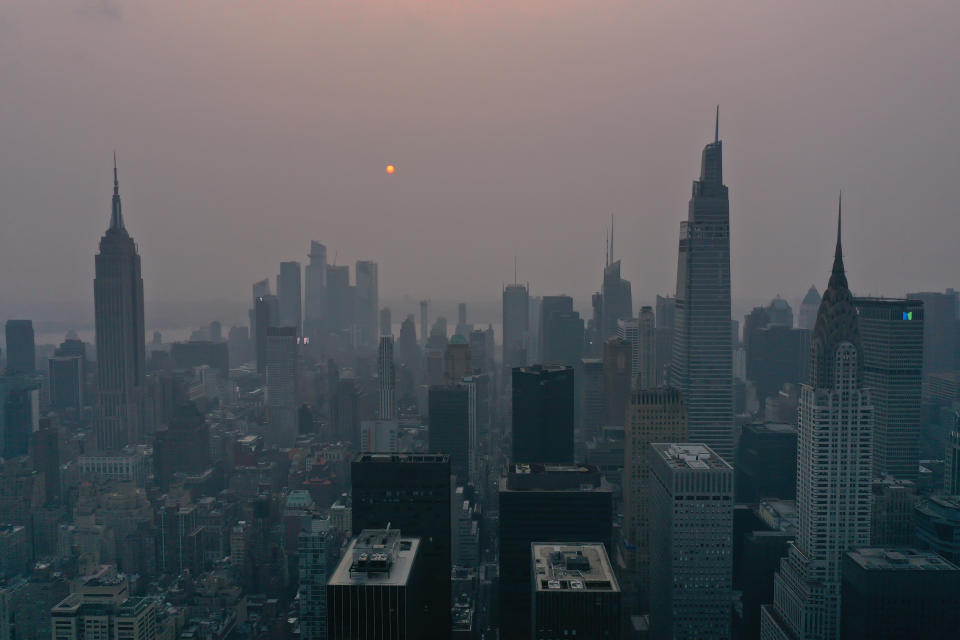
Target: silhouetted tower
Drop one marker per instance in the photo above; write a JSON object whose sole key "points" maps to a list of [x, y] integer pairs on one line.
{"points": [[121, 343]]}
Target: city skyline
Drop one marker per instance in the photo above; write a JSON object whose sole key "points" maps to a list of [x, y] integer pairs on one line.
{"points": [[323, 188]]}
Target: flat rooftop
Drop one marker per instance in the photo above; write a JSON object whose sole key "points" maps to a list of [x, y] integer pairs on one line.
{"points": [[900, 558], [385, 458], [377, 557], [690, 456], [572, 566], [553, 477]]}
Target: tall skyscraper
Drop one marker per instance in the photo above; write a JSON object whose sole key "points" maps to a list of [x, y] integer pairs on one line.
{"points": [[702, 346], [21, 348], [289, 294], [66, 382], [645, 370], [281, 387], [516, 322], [368, 303], [386, 323], [892, 335], [457, 359], [266, 312], [655, 415], [540, 503], [387, 379], [376, 592], [121, 342], [691, 543], [575, 592], [340, 303], [549, 307], [808, 309], [449, 431], [617, 302], [424, 327], [628, 329], [315, 290], [561, 332], [834, 471], [543, 414], [314, 555], [412, 493], [951, 471], [894, 593], [939, 329], [589, 383], [617, 375]]}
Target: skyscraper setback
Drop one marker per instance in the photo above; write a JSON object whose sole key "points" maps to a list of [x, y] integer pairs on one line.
{"points": [[702, 345], [121, 343]]}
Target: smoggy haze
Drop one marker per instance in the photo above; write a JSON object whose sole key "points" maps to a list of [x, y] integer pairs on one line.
{"points": [[245, 129]]}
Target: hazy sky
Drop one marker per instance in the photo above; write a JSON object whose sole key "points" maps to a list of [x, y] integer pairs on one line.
{"points": [[246, 128]]}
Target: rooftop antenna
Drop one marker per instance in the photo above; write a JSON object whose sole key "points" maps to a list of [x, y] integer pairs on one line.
{"points": [[716, 127], [515, 269], [606, 248], [611, 237]]}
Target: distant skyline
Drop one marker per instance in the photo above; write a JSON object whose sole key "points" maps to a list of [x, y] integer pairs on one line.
{"points": [[246, 129]]}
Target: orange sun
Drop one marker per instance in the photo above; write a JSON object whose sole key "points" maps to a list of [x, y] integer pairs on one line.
{"points": [[391, 169]]}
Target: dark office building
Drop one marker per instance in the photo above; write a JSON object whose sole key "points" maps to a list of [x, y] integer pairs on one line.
{"points": [[66, 383], [376, 591], [766, 462], [21, 349], [891, 332], [897, 593], [940, 329], [543, 414], [412, 493], [449, 431], [540, 503], [564, 340], [19, 416], [575, 592], [776, 354], [617, 367], [187, 355], [758, 561], [550, 306], [266, 310], [45, 452], [184, 446]]}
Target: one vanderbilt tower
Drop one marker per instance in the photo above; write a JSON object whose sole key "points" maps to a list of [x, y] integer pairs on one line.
{"points": [[121, 344], [702, 345]]}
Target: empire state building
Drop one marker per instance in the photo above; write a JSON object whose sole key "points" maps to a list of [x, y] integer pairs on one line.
{"points": [[121, 343]]}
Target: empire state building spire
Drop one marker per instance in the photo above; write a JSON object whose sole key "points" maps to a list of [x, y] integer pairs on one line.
{"points": [[116, 215]]}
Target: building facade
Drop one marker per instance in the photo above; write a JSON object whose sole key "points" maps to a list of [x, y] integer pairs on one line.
{"points": [[654, 415], [702, 346], [691, 543], [543, 414]]}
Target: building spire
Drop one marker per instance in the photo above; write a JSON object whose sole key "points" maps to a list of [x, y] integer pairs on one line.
{"points": [[838, 276], [116, 215], [716, 127]]}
